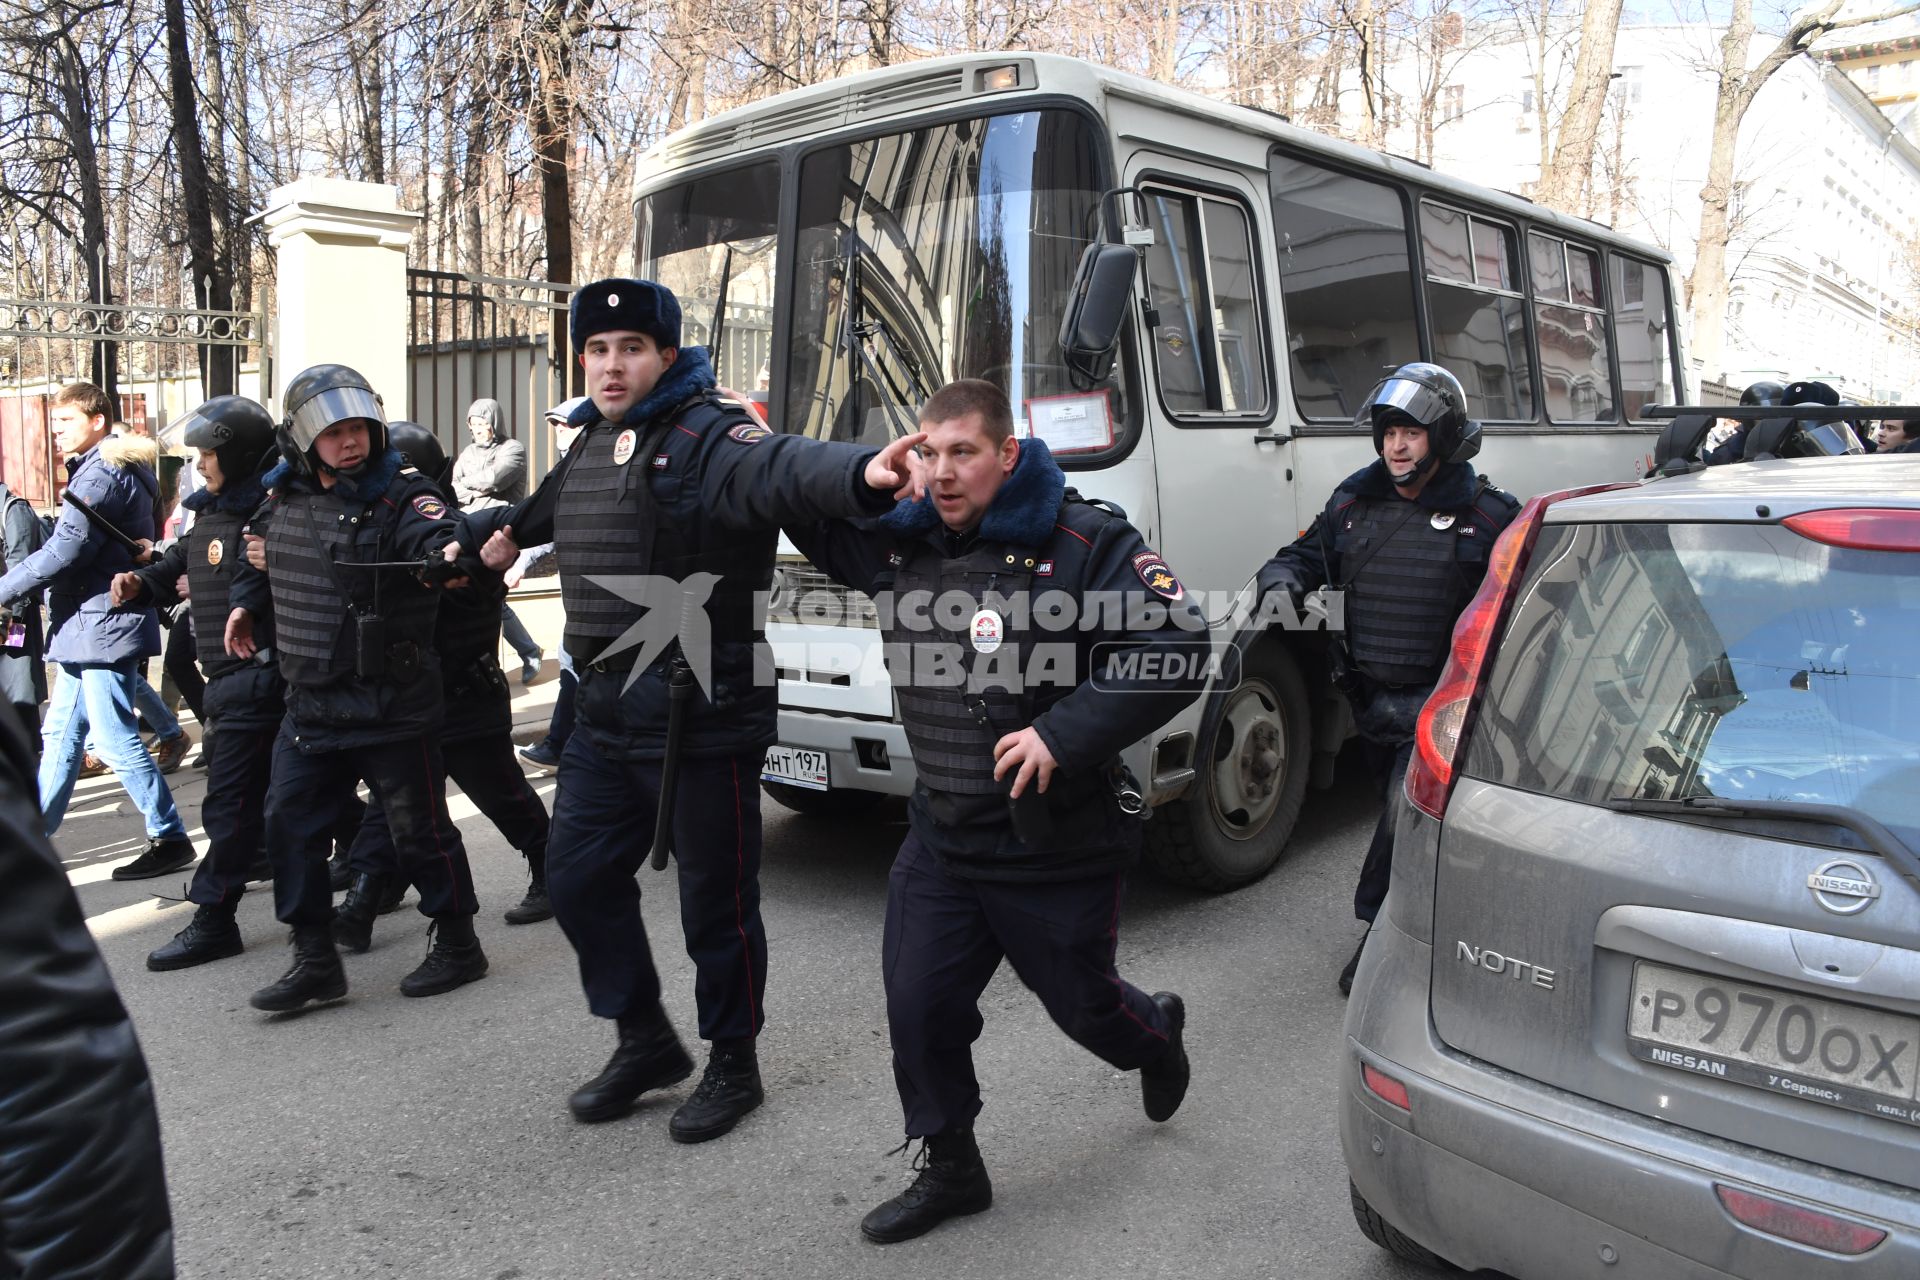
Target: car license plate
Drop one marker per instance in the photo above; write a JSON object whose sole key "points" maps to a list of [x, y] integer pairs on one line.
{"points": [[797, 767], [1840, 1054]]}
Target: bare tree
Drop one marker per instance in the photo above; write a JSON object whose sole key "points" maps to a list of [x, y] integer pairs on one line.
{"points": [[1564, 181]]}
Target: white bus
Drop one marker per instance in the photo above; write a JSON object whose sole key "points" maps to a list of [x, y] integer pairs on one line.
{"points": [[864, 241]]}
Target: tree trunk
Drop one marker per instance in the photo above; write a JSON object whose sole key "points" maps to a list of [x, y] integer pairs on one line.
{"points": [[203, 262], [1707, 286], [1565, 180], [77, 111]]}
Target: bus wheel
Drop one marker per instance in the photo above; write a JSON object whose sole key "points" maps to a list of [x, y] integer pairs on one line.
{"points": [[823, 804], [1251, 768]]}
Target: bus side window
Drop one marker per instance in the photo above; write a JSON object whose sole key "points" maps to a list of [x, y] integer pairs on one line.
{"points": [[1346, 284], [1477, 311], [1576, 365], [1641, 328], [1209, 347]]}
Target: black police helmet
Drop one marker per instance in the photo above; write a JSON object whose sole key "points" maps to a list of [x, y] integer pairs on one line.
{"points": [[237, 431], [1768, 394], [321, 396], [1431, 397], [421, 449]]}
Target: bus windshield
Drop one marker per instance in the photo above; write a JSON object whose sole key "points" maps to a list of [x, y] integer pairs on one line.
{"points": [[712, 242], [940, 253]]}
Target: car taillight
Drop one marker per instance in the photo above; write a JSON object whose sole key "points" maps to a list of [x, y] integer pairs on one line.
{"points": [[1798, 1223], [1444, 721], [1385, 1087], [1861, 528]]}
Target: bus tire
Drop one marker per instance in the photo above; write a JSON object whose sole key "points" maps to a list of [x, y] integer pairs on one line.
{"points": [[823, 804], [1251, 767]]}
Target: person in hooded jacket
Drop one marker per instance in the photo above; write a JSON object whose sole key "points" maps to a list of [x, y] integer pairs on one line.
{"points": [[1060, 621], [245, 698], [99, 648], [1407, 540], [665, 518], [348, 534], [83, 1189], [492, 472], [476, 741]]}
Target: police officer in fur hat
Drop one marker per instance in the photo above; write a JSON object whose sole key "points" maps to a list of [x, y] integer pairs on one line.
{"points": [[664, 517], [1406, 539]]}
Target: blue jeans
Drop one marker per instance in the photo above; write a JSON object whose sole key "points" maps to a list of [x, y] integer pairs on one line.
{"points": [[88, 694], [515, 631], [148, 703]]}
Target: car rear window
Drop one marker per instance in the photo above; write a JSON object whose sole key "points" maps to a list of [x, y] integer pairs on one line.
{"points": [[1741, 661]]}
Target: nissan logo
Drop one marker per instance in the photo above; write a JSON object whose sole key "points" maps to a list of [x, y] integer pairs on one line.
{"points": [[1843, 887]]}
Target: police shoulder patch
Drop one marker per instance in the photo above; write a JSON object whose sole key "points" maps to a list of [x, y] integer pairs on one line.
{"points": [[748, 432], [430, 507], [1158, 578]]}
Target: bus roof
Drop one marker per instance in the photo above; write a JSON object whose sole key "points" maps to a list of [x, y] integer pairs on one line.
{"points": [[873, 97]]}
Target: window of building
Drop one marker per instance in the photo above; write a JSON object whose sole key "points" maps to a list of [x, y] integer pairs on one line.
{"points": [[1477, 312], [1346, 284], [1576, 368], [1640, 320], [1208, 342], [1453, 102], [1631, 82]]}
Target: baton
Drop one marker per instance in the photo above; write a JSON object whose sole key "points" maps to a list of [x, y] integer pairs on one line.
{"points": [[103, 524], [680, 685], [432, 566]]}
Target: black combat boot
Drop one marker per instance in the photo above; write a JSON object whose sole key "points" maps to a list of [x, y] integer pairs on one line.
{"points": [[534, 907], [1353, 965], [650, 1056], [316, 974], [454, 960], [952, 1181], [353, 918], [210, 935], [394, 897], [339, 870], [727, 1091], [1164, 1083]]}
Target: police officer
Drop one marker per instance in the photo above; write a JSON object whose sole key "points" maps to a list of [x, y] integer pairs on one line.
{"points": [[664, 518], [476, 739], [245, 697], [363, 683], [1017, 841], [1406, 539]]}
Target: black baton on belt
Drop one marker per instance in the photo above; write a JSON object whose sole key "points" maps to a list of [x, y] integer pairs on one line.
{"points": [[103, 524], [680, 686]]}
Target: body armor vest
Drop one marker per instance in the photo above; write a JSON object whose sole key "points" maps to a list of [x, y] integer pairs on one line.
{"points": [[607, 522], [956, 702], [214, 547], [1402, 593], [311, 608]]}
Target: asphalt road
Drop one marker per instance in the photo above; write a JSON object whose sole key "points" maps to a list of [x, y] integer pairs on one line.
{"points": [[430, 1138]]}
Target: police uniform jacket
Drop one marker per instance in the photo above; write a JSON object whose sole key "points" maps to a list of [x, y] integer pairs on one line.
{"points": [[79, 562], [1406, 570], [689, 487], [1083, 688], [384, 514], [83, 1194], [242, 693]]}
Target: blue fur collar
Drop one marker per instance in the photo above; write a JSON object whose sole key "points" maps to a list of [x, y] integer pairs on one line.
{"points": [[1022, 513], [370, 485], [244, 496], [689, 374]]}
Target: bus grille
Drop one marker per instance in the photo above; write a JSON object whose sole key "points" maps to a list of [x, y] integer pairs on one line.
{"points": [[804, 596]]}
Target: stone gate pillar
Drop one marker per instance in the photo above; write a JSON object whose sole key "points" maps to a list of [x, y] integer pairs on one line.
{"points": [[340, 295]]}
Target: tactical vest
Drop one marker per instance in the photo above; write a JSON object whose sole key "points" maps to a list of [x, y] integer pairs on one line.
{"points": [[313, 598], [953, 721], [214, 547], [1402, 590], [607, 523]]}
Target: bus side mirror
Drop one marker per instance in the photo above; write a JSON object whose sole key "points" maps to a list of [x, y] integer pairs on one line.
{"points": [[1102, 286]]}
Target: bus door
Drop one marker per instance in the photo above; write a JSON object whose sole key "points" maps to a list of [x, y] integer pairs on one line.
{"points": [[1221, 450]]}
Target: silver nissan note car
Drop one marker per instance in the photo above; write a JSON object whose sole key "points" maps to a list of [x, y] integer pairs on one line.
{"points": [[1644, 1000]]}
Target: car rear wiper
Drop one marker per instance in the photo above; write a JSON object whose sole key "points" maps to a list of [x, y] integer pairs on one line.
{"points": [[1873, 833]]}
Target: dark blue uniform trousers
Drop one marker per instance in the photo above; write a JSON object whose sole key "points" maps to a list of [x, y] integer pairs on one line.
{"points": [[234, 813], [311, 791], [488, 775], [603, 817], [1388, 762], [945, 936]]}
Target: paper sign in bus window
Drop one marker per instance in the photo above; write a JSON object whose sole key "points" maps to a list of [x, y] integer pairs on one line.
{"points": [[1072, 423]]}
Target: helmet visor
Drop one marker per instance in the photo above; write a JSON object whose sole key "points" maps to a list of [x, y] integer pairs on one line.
{"points": [[335, 404], [197, 431], [1424, 404], [1830, 439]]}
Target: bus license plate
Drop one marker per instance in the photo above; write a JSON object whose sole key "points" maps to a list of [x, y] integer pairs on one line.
{"points": [[1843, 1055], [797, 767]]}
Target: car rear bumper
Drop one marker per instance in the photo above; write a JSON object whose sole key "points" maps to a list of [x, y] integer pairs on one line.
{"points": [[1490, 1169], [841, 737]]}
